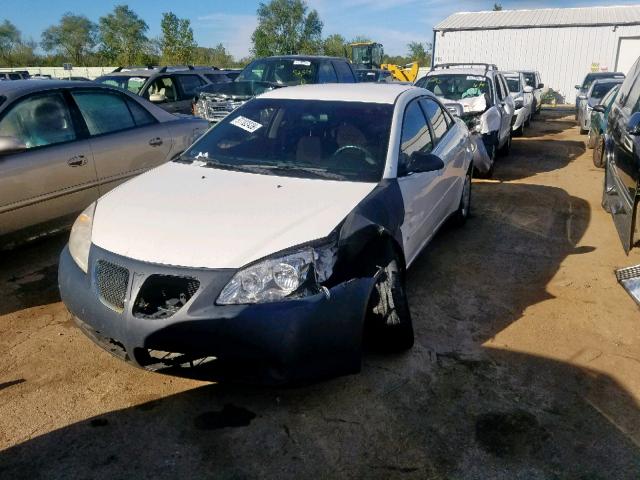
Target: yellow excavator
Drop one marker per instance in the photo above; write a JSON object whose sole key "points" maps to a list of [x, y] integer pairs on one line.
{"points": [[368, 56]]}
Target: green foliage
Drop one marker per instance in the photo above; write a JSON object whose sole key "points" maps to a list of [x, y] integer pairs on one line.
{"points": [[335, 46], [10, 39], [285, 27], [421, 53], [122, 37], [216, 57], [177, 44], [497, 7], [74, 37]]}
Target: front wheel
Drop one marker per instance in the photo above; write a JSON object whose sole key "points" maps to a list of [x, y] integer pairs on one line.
{"points": [[464, 208], [591, 139], [389, 327], [506, 148]]}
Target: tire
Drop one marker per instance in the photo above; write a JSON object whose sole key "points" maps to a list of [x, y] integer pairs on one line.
{"points": [[489, 173], [518, 132], [591, 140], [464, 208], [527, 122], [598, 152], [388, 327], [506, 148]]}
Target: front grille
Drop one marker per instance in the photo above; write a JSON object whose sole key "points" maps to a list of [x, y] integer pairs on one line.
{"points": [[111, 281], [216, 110]]}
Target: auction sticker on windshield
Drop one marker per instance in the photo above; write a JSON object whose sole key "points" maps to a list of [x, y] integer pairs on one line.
{"points": [[306, 63], [473, 77], [246, 124]]}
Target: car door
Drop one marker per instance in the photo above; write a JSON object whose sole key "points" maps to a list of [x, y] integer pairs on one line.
{"points": [[126, 139], [450, 145], [54, 177], [418, 189], [188, 84]]}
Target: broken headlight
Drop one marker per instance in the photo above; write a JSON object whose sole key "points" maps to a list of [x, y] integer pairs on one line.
{"points": [[473, 124], [518, 102], [291, 275], [80, 239]]}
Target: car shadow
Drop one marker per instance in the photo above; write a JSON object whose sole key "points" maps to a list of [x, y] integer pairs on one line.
{"points": [[452, 407], [29, 274]]}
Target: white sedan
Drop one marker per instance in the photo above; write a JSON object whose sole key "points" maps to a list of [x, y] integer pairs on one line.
{"points": [[276, 239]]}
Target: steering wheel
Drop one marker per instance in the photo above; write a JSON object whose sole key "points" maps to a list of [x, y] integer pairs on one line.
{"points": [[367, 154]]}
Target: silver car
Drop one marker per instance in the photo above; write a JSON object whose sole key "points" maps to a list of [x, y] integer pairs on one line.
{"points": [[593, 96], [64, 144]]}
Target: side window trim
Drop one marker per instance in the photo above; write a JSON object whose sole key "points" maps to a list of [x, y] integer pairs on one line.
{"points": [[444, 111]]}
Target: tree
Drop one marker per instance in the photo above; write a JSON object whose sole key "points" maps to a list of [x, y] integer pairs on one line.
{"points": [[497, 7], [177, 42], [74, 37], [122, 36], [420, 53], [285, 27], [216, 56], [335, 46], [9, 41]]}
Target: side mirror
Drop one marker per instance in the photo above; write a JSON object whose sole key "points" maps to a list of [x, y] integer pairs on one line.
{"points": [[577, 87], [420, 162], [599, 108], [528, 89], [633, 125], [157, 98], [582, 97], [11, 145], [541, 85]]}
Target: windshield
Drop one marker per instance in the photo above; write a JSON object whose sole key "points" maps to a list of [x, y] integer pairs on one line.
{"points": [[133, 84], [455, 86], [513, 83], [301, 138], [283, 71]]}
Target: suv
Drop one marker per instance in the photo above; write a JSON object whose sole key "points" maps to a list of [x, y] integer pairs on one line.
{"points": [[214, 102], [588, 80], [532, 79], [171, 88], [622, 159], [523, 99], [479, 94]]}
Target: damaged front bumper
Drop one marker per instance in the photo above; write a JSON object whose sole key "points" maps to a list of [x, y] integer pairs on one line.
{"points": [[288, 341], [519, 118]]}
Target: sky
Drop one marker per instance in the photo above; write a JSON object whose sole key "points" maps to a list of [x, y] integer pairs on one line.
{"points": [[394, 23]]}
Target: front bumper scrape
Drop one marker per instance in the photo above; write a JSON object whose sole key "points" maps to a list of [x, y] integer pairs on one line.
{"points": [[296, 340]]}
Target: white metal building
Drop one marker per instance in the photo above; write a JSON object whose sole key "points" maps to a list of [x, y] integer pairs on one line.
{"points": [[563, 44]]}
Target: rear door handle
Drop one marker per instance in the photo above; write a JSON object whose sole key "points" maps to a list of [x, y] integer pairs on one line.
{"points": [[77, 161], [155, 142]]}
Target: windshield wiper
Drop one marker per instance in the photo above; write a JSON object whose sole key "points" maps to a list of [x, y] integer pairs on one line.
{"points": [[318, 172]]}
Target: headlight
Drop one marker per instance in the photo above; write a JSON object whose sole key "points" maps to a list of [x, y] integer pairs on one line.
{"points": [[519, 102], [292, 275], [80, 239]]}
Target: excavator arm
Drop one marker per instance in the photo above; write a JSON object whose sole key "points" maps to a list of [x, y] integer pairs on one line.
{"points": [[407, 73]]}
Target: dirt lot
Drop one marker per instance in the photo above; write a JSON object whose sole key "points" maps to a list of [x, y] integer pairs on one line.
{"points": [[526, 364]]}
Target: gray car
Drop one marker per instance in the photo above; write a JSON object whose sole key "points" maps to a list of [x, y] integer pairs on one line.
{"points": [[595, 93], [63, 144], [171, 88]]}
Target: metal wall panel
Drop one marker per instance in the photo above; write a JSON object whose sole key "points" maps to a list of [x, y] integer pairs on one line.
{"points": [[563, 56]]}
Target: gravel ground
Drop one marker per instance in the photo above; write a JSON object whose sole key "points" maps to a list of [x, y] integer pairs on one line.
{"points": [[525, 364]]}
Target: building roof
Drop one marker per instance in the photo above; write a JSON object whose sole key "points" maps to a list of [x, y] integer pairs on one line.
{"points": [[342, 92], [544, 17]]}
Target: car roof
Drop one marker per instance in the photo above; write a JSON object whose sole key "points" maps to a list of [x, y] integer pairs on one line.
{"points": [[481, 72], [343, 92], [511, 73], [303, 57], [604, 74], [16, 88]]}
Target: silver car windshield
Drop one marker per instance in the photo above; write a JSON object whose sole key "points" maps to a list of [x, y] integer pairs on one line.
{"points": [[304, 138], [455, 86]]}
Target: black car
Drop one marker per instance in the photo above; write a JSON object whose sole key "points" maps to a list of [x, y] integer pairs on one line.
{"points": [[214, 102], [622, 157]]}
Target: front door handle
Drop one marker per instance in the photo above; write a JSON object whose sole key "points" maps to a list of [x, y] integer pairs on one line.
{"points": [[155, 142], [77, 161]]}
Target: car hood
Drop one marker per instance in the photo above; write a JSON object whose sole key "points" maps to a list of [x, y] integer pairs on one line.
{"points": [[238, 89], [192, 216]]}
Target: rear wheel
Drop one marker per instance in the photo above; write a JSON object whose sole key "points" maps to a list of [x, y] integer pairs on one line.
{"points": [[598, 152], [506, 148], [464, 209], [591, 139], [388, 327]]}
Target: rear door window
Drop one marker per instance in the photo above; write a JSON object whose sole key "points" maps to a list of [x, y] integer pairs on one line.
{"points": [[39, 120], [189, 84], [163, 86], [104, 112], [437, 118], [345, 74]]}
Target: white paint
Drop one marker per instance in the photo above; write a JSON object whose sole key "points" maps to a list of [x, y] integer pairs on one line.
{"points": [[628, 53], [173, 216], [563, 56]]}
